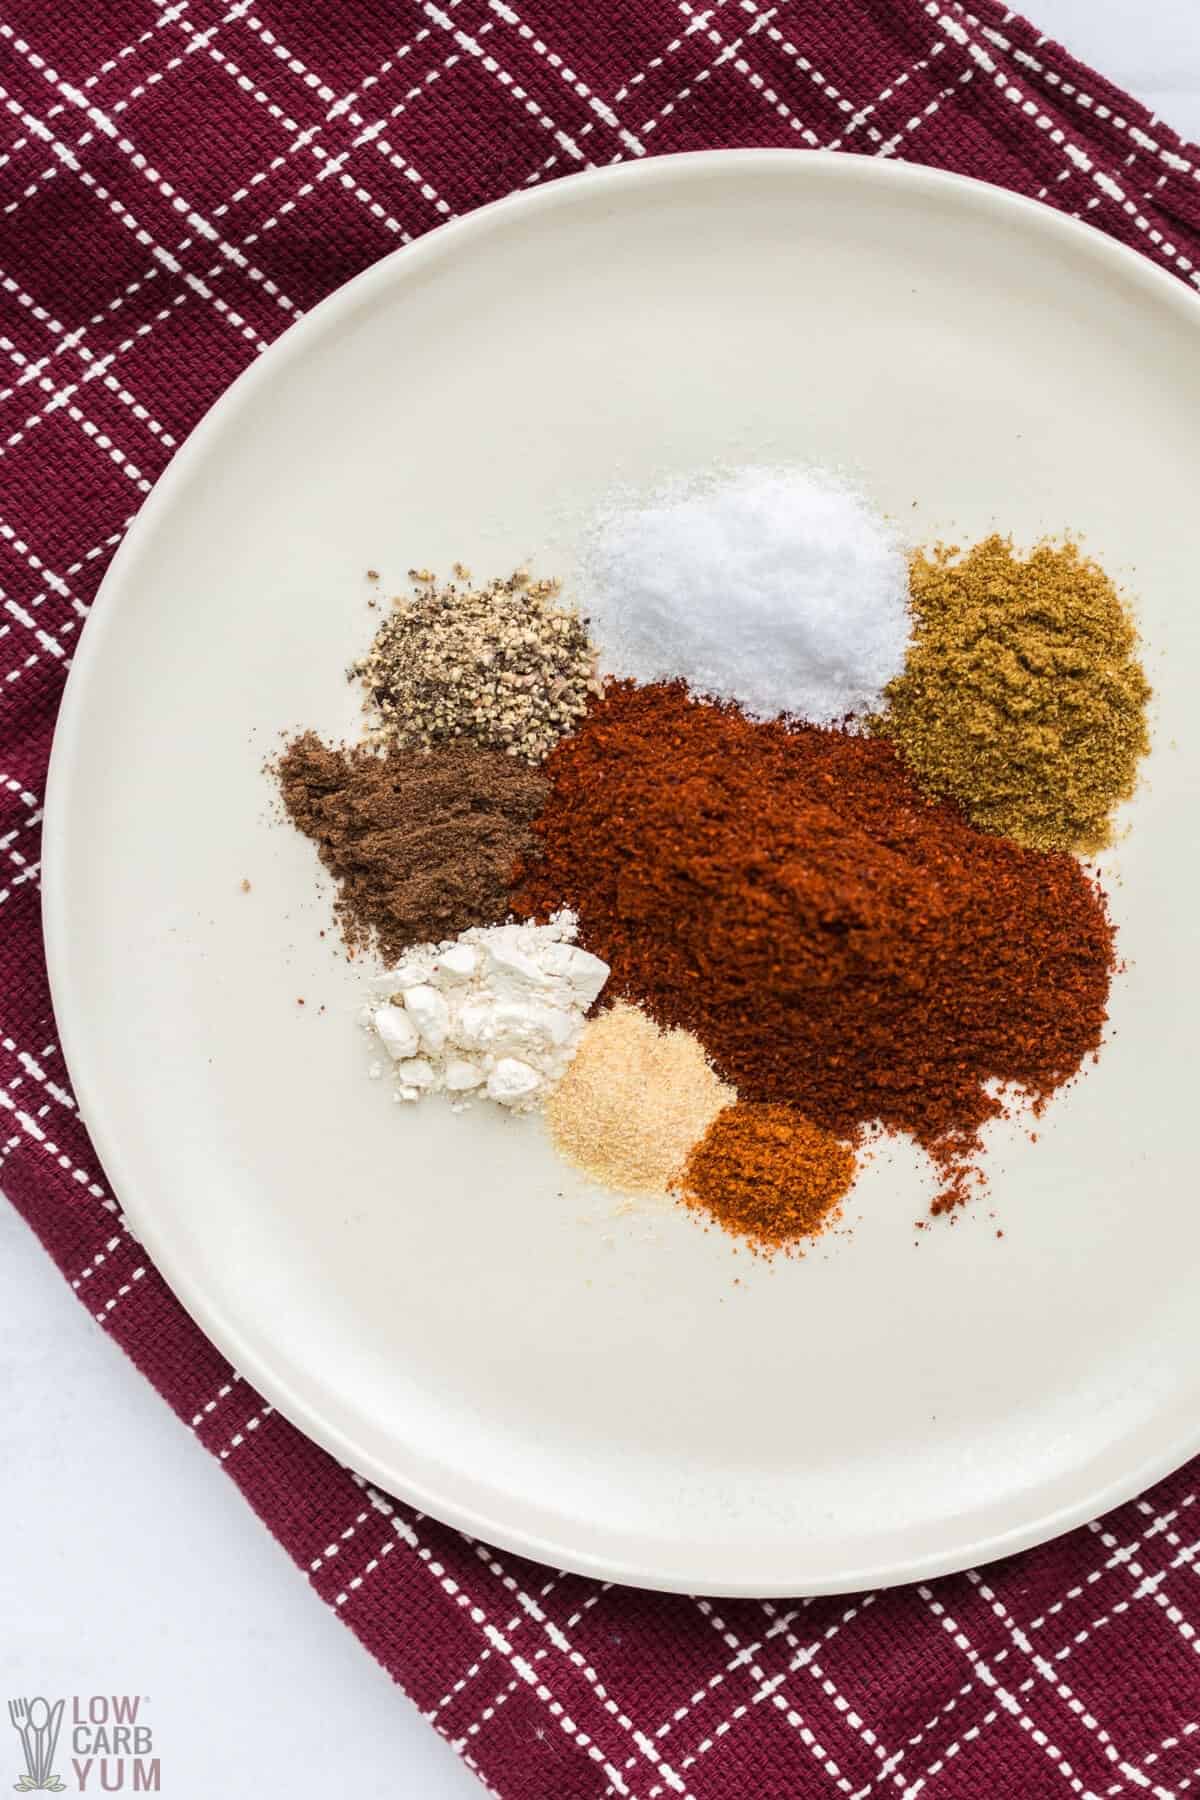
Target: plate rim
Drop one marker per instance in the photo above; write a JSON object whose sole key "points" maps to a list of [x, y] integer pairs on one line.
{"points": [[87, 1073]]}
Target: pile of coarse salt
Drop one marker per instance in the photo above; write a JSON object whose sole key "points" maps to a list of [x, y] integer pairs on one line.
{"points": [[498, 1010], [780, 589]]}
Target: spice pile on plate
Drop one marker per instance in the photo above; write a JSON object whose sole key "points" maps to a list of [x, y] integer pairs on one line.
{"points": [[768, 846], [835, 940], [780, 589], [499, 1009], [1022, 696], [420, 842], [499, 665]]}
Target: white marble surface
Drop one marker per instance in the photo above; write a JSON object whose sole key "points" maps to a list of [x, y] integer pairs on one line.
{"points": [[132, 1564]]}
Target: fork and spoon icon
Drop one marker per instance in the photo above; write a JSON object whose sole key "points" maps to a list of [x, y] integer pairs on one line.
{"points": [[36, 1723]]}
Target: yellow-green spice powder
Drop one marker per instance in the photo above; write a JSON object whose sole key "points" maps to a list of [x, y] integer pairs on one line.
{"points": [[1022, 696]]}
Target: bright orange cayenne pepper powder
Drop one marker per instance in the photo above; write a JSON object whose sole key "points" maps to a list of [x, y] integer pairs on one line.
{"points": [[768, 1174]]}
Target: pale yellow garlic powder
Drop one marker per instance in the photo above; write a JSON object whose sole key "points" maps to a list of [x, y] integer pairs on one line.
{"points": [[634, 1101]]}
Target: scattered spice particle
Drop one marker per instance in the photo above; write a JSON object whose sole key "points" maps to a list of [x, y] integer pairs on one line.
{"points": [[372, 574], [245, 885]]}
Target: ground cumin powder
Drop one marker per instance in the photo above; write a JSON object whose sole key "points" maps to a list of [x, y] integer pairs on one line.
{"points": [[422, 843], [768, 1174], [1022, 696]]}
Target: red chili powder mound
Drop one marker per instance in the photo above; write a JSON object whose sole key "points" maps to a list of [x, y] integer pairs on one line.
{"points": [[836, 941]]}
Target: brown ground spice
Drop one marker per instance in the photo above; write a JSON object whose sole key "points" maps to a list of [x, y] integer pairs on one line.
{"points": [[422, 844], [768, 1174]]}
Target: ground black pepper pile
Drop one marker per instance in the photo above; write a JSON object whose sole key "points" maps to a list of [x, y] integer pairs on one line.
{"points": [[501, 665]]}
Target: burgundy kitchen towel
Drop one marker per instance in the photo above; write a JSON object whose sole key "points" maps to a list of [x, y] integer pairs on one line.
{"points": [[179, 180]]}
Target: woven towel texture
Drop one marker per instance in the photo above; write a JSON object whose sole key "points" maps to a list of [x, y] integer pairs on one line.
{"points": [[178, 182]]}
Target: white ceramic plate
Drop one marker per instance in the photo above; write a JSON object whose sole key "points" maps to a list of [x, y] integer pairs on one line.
{"points": [[435, 1299]]}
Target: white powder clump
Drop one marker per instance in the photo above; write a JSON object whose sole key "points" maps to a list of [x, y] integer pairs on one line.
{"points": [[780, 589], [496, 1012]]}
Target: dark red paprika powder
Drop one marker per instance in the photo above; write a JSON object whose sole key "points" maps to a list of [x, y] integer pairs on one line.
{"points": [[837, 941]]}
